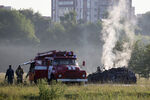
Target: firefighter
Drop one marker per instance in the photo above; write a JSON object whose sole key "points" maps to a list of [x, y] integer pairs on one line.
{"points": [[9, 75], [99, 69], [19, 73], [31, 73]]}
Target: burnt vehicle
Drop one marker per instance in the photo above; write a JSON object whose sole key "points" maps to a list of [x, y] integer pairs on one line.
{"points": [[115, 75]]}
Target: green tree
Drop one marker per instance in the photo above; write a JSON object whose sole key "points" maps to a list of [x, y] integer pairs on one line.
{"points": [[140, 59], [69, 19], [15, 28], [68, 32], [41, 23]]}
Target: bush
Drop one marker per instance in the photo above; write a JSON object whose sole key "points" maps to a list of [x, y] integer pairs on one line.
{"points": [[51, 92]]}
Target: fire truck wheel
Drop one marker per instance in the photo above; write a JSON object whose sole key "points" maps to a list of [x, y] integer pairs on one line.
{"points": [[35, 80]]}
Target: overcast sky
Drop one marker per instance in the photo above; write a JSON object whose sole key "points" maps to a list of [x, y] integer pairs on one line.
{"points": [[44, 6]]}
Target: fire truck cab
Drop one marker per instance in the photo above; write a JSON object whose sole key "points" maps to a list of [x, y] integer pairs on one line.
{"points": [[57, 65]]}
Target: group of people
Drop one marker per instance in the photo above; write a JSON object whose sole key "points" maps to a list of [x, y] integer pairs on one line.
{"points": [[10, 75]]}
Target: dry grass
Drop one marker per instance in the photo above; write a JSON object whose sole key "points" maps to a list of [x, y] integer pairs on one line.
{"points": [[2, 75], [139, 91]]}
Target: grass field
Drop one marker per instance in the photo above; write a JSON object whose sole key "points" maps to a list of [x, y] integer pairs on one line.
{"points": [[139, 91]]}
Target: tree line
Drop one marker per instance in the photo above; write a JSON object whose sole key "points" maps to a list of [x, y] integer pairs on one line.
{"points": [[25, 27]]}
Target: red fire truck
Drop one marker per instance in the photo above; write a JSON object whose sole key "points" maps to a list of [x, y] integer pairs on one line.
{"points": [[56, 65]]}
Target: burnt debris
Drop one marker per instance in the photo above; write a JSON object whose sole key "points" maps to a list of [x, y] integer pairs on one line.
{"points": [[115, 75]]}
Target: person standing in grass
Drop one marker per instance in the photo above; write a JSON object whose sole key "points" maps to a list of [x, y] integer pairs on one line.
{"points": [[9, 75], [31, 72], [19, 73]]}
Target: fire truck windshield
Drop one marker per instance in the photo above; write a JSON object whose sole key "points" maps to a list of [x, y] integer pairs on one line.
{"points": [[64, 62]]}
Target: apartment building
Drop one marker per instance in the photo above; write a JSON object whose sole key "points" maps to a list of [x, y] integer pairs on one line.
{"points": [[87, 10]]}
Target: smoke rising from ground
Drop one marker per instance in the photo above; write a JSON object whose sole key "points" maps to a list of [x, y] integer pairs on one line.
{"points": [[117, 27]]}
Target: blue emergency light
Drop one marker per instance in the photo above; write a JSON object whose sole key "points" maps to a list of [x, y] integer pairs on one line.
{"points": [[74, 56]]}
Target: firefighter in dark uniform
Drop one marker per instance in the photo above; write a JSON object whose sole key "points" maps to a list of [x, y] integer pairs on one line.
{"points": [[9, 75], [19, 73], [99, 69]]}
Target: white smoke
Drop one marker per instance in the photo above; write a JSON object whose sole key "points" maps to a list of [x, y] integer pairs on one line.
{"points": [[117, 27]]}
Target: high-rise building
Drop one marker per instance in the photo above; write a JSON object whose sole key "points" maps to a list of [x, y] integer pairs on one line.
{"points": [[61, 7], [98, 9], [87, 10]]}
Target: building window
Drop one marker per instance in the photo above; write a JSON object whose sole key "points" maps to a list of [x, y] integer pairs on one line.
{"points": [[88, 3], [61, 3], [96, 3]]}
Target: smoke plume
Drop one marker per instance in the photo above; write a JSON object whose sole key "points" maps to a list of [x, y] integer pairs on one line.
{"points": [[118, 27]]}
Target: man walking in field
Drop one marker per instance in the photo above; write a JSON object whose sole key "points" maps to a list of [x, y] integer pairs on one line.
{"points": [[19, 73], [9, 75]]}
